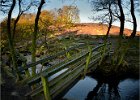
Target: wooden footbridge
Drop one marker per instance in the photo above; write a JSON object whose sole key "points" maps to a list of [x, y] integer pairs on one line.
{"points": [[54, 80]]}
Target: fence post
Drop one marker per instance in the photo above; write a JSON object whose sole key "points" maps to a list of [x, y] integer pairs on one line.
{"points": [[45, 85], [88, 60], [103, 52]]}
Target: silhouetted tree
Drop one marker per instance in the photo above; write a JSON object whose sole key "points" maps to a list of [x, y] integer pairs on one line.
{"points": [[134, 19], [110, 19], [121, 18], [104, 7]]}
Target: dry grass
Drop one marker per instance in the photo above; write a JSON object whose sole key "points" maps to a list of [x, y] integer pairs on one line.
{"points": [[98, 29]]}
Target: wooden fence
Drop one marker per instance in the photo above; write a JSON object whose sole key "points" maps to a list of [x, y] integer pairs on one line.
{"points": [[54, 80]]}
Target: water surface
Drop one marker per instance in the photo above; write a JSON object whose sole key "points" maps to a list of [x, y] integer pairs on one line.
{"points": [[86, 89]]}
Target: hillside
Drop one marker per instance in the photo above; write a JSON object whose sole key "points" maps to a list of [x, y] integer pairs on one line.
{"points": [[98, 29]]}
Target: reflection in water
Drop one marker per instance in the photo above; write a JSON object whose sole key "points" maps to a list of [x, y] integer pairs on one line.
{"points": [[93, 93], [98, 87], [102, 92]]}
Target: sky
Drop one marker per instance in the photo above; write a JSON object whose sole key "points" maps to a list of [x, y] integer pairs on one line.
{"points": [[84, 7]]}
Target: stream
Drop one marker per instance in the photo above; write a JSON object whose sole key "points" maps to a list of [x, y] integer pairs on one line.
{"points": [[86, 89]]}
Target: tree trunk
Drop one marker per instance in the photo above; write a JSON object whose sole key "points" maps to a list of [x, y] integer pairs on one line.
{"points": [[110, 23], [17, 19], [10, 40], [122, 18], [15, 24], [34, 37], [134, 20]]}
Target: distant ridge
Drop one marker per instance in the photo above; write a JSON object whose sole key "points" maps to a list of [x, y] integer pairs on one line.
{"points": [[100, 29]]}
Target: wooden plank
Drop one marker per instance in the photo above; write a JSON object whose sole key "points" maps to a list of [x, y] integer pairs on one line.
{"points": [[53, 67], [60, 90], [52, 82], [49, 57], [34, 92], [97, 47], [61, 76], [53, 56], [71, 72], [47, 74], [66, 81], [38, 78]]}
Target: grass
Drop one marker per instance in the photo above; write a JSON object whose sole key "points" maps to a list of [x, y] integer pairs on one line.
{"points": [[130, 65]]}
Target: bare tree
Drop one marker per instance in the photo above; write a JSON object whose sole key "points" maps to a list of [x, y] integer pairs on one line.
{"points": [[124, 17], [34, 36], [134, 19], [121, 18], [10, 40], [21, 11], [110, 19], [104, 9]]}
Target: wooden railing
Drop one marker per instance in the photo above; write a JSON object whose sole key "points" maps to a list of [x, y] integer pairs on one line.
{"points": [[51, 84], [29, 65]]}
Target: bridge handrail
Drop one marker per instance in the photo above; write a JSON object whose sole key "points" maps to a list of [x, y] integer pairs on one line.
{"points": [[55, 88], [51, 57], [47, 74], [55, 82]]}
